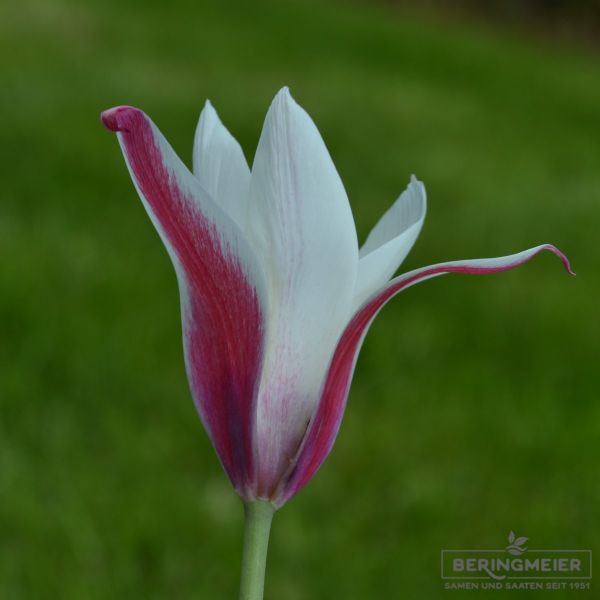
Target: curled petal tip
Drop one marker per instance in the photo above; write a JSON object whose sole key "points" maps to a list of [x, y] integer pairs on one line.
{"points": [[113, 118], [563, 258]]}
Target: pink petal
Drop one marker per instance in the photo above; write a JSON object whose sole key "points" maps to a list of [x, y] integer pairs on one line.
{"points": [[325, 423], [220, 287]]}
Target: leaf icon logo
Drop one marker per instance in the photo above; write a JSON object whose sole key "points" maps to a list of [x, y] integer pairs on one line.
{"points": [[515, 544]]}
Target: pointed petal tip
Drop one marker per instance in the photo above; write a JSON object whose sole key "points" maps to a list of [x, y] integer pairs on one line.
{"points": [[209, 109], [283, 96], [208, 116], [563, 258], [114, 118], [414, 180], [284, 104]]}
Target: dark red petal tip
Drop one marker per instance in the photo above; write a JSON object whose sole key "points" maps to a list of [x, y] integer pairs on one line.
{"points": [[113, 119]]}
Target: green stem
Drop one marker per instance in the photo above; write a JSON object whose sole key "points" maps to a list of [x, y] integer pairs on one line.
{"points": [[259, 515]]}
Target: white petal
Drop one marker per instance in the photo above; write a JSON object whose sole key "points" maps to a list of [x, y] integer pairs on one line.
{"points": [[220, 165], [390, 241], [302, 227]]}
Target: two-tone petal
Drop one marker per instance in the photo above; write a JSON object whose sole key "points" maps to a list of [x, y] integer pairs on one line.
{"points": [[326, 421], [223, 296]]}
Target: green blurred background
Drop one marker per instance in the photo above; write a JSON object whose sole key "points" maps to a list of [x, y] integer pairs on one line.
{"points": [[474, 406]]}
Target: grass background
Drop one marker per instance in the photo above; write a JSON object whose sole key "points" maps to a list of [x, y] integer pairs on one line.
{"points": [[474, 407]]}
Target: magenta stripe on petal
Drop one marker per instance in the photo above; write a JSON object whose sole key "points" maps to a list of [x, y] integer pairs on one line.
{"points": [[222, 318], [325, 424]]}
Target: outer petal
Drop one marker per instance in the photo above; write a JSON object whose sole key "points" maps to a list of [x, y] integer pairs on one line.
{"points": [[325, 424], [303, 230], [220, 288], [390, 241], [220, 165]]}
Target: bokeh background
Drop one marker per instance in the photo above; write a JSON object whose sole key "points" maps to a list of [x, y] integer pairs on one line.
{"points": [[474, 410]]}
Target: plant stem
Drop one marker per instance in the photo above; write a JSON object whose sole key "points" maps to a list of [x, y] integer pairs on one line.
{"points": [[259, 515]]}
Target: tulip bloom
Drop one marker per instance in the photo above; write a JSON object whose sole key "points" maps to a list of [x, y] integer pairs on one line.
{"points": [[276, 297]]}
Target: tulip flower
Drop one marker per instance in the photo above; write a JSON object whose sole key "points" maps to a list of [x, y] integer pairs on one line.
{"points": [[276, 297]]}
